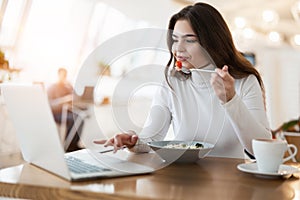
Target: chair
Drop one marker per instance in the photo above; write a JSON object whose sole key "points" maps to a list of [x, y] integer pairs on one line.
{"points": [[290, 132], [68, 110], [81, 116]]}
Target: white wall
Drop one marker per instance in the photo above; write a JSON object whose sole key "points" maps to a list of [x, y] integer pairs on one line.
{"points": [[280, 68], [155, 11]]}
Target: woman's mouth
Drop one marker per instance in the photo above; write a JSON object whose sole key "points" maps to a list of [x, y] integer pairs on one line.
{"points": [[181, 58]]}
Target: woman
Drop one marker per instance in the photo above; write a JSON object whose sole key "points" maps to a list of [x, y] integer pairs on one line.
{"points": [[225, 107]]}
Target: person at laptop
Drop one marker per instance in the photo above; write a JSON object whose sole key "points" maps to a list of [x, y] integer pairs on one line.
{"points": [[60, 94], [225, 106]]}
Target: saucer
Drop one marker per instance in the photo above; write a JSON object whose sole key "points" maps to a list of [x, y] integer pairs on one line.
{"points": [[284, 170]]}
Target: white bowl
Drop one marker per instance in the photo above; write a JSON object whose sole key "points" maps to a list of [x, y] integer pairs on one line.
{"points": [[173, 151]]}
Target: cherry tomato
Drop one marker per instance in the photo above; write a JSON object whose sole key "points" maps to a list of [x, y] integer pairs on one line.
{"points": [[178, 64]]}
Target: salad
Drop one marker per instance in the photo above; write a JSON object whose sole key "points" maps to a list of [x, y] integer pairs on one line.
{"points": [[184, 146]]}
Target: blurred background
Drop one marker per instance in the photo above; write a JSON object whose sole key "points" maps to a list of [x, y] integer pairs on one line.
{"points": [[39, 36]]}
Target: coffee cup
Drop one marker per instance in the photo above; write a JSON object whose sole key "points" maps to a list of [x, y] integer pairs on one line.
{"points": [[269, 154]]}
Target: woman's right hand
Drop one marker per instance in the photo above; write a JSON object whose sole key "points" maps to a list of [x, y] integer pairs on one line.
{"points": [[119, 140]]}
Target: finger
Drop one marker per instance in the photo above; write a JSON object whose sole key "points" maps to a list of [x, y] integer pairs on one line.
{"points": [[226, 75], [216, 80], [214, 77], [109, 142], [104, 142], [130, 141], [117, 143], [133, 140], [99, 141], [218, 87], [223, 72], [225, 68], [219, 84]]}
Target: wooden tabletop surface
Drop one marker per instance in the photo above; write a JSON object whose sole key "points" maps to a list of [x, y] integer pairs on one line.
{"points": [[209, 178]]}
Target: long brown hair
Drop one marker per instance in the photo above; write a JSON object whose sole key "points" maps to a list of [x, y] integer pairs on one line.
{"points": [[215, 37]]}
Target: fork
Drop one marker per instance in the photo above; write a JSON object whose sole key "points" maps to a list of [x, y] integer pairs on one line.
{"points": [[188, 71]]}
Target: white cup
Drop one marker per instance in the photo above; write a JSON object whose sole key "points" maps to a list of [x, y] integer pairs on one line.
{"points": [[269, 153]]}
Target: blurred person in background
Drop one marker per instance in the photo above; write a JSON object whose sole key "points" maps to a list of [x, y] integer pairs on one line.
{"points": [[60, 94]]}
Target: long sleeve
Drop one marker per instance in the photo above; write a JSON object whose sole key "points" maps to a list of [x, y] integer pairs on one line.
{"points": [[246, 113], [197, 114], [157, 122]]}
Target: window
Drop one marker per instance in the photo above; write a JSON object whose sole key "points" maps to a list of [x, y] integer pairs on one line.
{"points": [[12, 13]]}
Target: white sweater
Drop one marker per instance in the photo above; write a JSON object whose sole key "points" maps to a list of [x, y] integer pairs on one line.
{"points": [[196, 113]]}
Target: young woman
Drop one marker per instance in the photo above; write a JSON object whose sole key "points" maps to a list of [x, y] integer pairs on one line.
{"points": [[225, 107]]}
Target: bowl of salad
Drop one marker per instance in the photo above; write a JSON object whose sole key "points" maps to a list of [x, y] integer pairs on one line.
{"points": [[181, 151]]}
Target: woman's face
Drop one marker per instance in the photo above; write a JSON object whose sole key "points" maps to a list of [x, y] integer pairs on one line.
{"points": [[186, 47]]}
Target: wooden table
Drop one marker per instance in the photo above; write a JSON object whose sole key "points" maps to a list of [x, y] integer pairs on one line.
{"points": [[210, 178]]}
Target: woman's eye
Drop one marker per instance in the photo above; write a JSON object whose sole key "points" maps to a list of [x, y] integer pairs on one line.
{"points": [[174, 40], [191, 41]]}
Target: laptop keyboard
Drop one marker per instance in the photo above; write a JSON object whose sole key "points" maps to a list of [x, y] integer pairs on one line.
{"points": [[77, 166]]}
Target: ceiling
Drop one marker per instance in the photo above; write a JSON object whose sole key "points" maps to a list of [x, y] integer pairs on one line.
{"points": [[252, 10]]}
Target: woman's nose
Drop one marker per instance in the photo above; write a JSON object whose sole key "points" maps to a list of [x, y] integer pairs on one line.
{"points": [[178, 46]]}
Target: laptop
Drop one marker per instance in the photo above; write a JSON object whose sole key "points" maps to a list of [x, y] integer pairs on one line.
{"points": [[29, 110]]}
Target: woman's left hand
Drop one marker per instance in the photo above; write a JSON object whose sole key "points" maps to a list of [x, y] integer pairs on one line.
{"points": [[223, 84]]}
